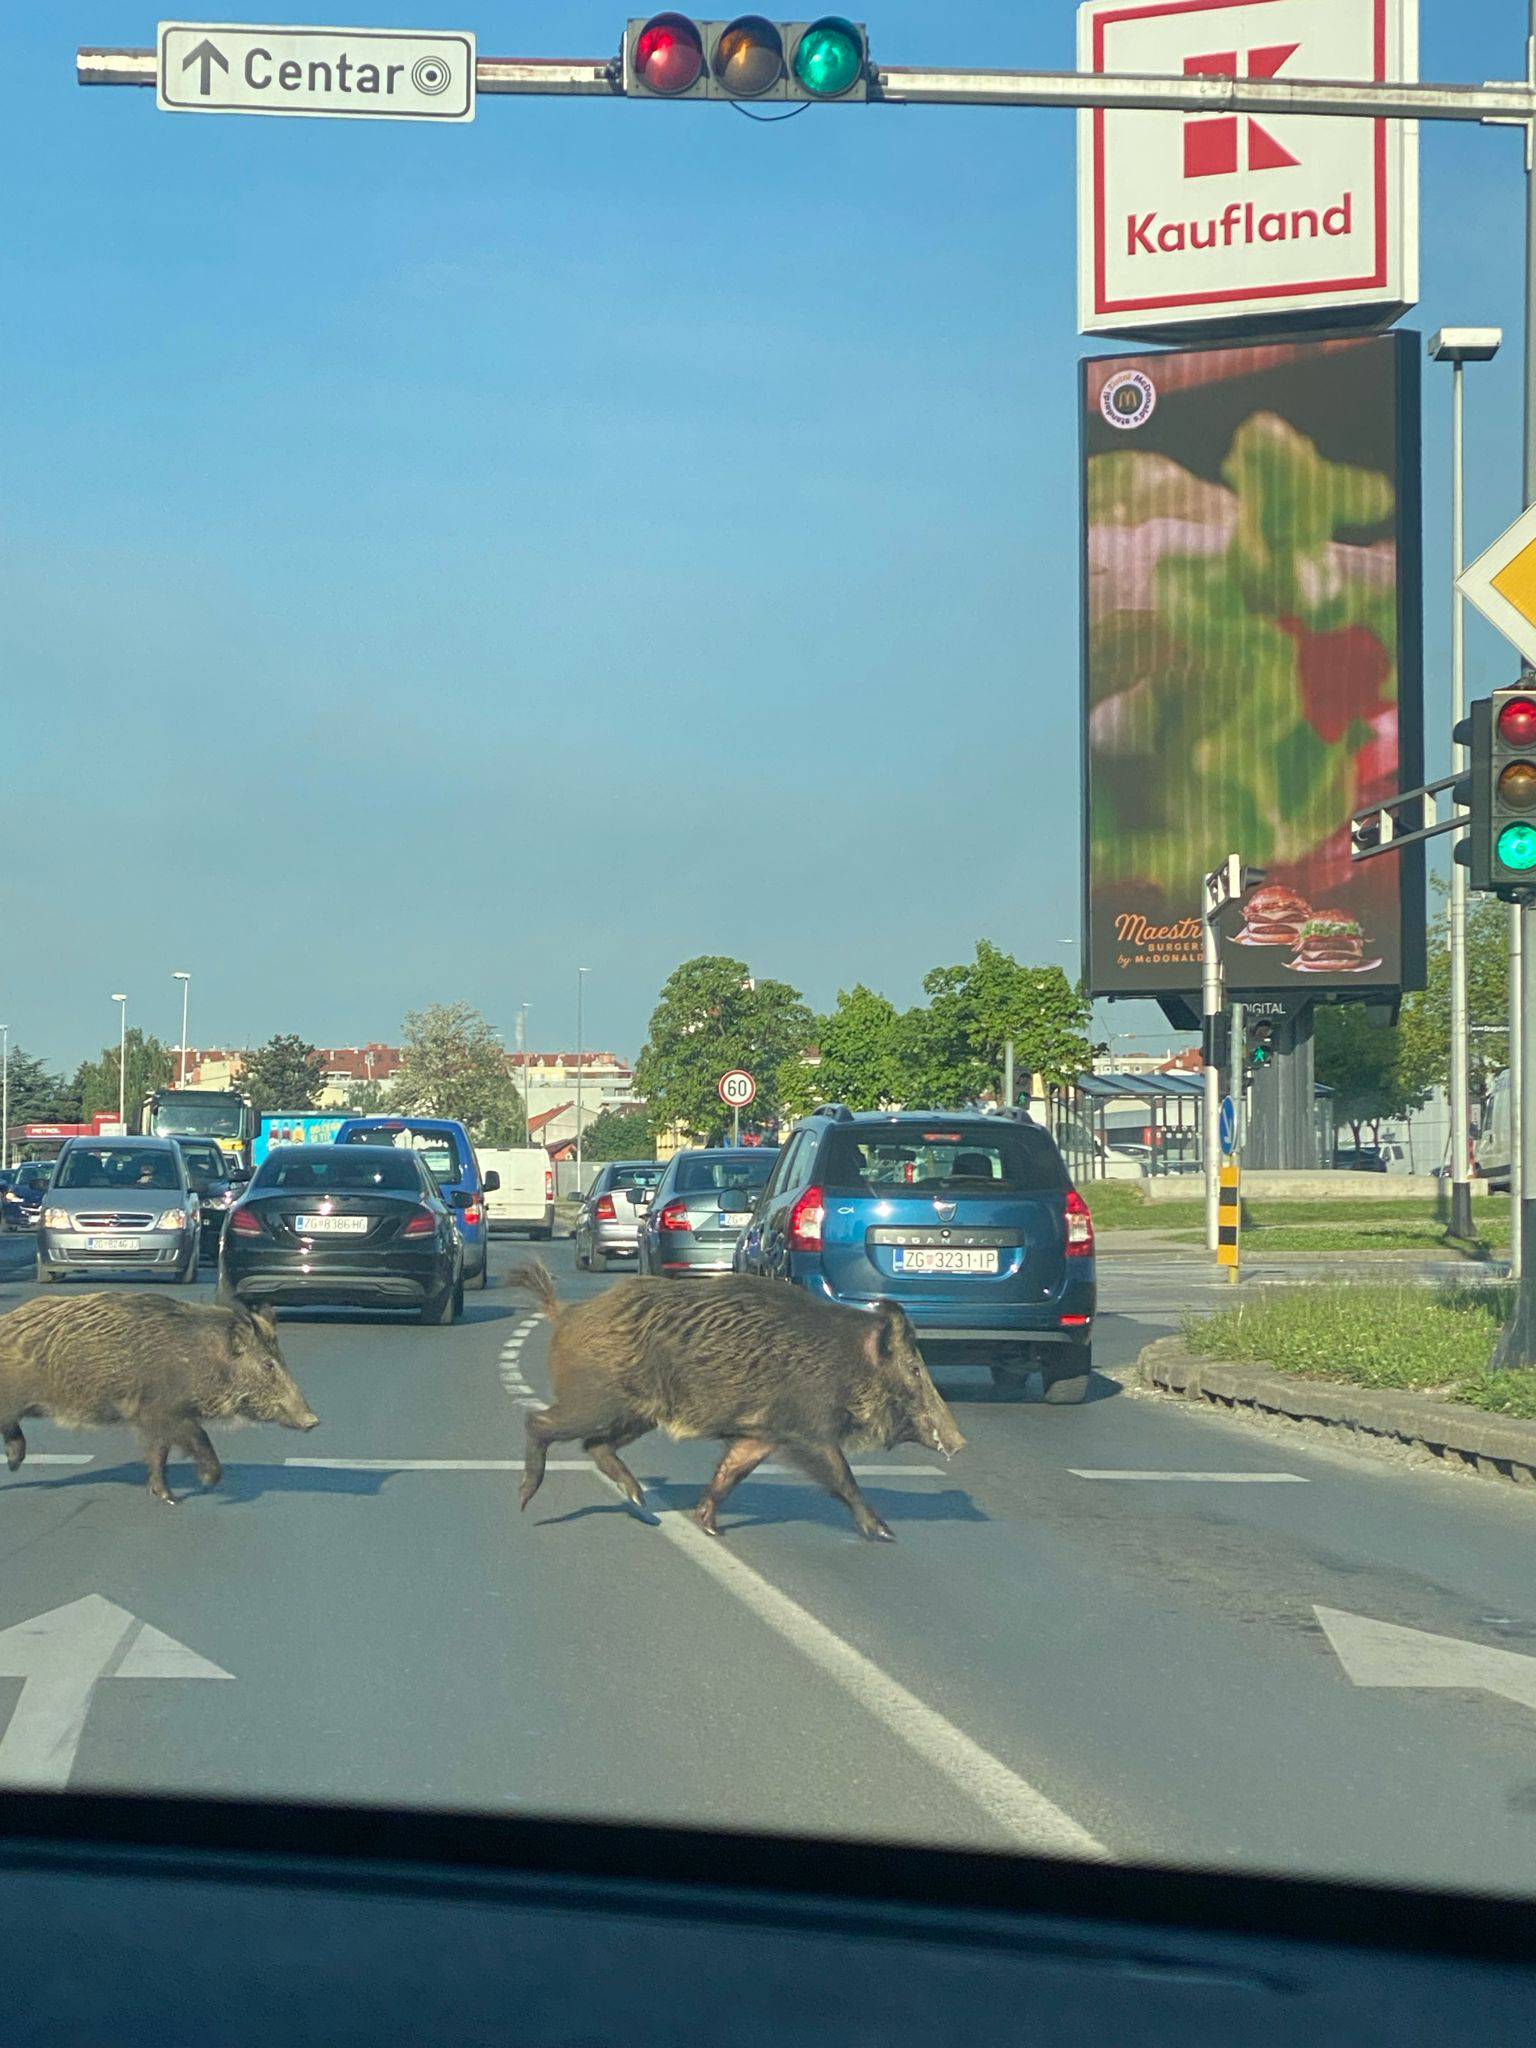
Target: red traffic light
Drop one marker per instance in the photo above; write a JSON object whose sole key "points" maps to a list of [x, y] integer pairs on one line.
{"points": [[749, 57], [669, 55], [1517, 722]]}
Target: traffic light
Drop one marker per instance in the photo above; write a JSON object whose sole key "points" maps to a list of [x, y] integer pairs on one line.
{"points": [[676, 57], [1499, 794], [1260, 1049]]}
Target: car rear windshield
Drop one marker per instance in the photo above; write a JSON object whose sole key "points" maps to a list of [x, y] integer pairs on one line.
{"points": [[121, 1167], [437, 1153], [33, 1176], [373, 1169], [944, 1158], [204, 1159], [724, 1170], [643, 1176]]}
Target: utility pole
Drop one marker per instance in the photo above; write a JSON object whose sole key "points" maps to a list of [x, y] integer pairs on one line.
{"points": [[1008, 1077], [5, 1094], [581, 982], [1522, 917], [522, 1065], [122, 1059], [179, 974], [1211, 1007]]}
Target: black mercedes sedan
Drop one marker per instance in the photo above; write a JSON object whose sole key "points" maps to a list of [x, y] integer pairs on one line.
{"points": [[344, 1226]]}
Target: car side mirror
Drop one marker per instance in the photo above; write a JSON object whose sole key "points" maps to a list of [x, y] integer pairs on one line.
{"points": [[492, 1181]]}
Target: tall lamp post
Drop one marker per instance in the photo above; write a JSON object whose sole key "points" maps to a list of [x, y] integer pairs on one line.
{"points": [[522, 1055], [5, 1094], [180, 974], [581, 982], [1459, 346], [122, 1059]]}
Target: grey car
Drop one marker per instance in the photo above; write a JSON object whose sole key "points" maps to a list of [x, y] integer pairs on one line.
{"points": [[117, 1206], [608, 1223], [702, 1204]]}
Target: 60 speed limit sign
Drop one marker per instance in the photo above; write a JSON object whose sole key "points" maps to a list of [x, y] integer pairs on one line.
{"points": [[737, 1089]]}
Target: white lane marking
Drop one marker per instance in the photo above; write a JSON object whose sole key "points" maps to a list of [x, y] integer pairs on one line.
{"points": [[564, 1465], [1203, 1478], [59, 1657], [1021, 1809], [1382, 1653], [60, 1457]]}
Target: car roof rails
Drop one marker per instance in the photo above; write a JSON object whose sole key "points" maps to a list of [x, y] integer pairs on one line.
{"points": [[839, 1112]]}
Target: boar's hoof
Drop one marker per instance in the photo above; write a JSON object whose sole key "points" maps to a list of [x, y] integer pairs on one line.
{"points": [[876, 1531], [704, 1515], [15, 1450]]}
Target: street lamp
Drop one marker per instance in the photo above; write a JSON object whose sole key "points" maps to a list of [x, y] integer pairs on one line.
{"points": [[179, 974], [122, 1059], [581, 982], [522, 1055], [1459, 346], [5, 1094]]}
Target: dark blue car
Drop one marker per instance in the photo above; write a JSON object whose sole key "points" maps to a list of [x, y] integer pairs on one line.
{"points": [[970, 1222], [449, 1157]]}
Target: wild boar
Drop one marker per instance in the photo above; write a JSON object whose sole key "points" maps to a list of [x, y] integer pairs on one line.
{"points": [[161, 1365], [758, 1364]]}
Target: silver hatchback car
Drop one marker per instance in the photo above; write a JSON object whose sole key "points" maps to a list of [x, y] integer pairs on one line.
{"points": [[119, 1206], [608, 1224]]}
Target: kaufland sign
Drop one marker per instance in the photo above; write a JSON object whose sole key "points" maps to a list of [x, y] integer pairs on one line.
{"points": [[1204, 223]]}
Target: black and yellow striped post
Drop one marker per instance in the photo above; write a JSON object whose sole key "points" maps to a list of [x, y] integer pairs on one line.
{"points": [[1230, 1215]]}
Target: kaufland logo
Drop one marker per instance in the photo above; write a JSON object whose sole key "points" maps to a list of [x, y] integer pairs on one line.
{"points": [[1222, 146]]}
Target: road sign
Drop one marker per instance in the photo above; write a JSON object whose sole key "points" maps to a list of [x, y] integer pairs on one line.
{"points": [[1228, 1126], [737, 1089], [59, 1657], [1502, 584], [373, 74], [1191, 221]]}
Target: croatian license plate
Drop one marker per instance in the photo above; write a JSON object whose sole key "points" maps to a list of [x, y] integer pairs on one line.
{"points": [[735, 1219], [330, 1226], [943, 1259], [112, 1244]]}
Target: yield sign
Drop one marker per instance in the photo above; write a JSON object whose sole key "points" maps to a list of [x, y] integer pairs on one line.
{"points": [[1502, 584]]}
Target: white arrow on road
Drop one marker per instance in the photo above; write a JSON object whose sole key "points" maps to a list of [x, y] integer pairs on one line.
{"points": [[60, 1656], [1381, 1653]]}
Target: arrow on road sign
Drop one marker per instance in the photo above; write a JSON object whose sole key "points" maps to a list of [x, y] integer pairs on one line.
{"points": [[1381, 1653], [207, 54], [60, 1656], [1502, 584]]}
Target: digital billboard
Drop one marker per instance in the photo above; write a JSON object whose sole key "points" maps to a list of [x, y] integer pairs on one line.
{"points": [[1251, 661]]}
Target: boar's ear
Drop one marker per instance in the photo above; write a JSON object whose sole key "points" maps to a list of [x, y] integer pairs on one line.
{"points": [[265, 1319], [884, 1340]]}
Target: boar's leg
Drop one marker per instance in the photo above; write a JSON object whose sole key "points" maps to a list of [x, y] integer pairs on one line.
{"points": [[194, 1441], [15, 1443], [604, 1453], [826, 1463], [742, 1455], [562, 1424], [156, 1449]]}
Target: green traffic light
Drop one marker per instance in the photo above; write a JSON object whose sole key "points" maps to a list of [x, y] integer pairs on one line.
{"points": [[830, 58], [1516, 848]]}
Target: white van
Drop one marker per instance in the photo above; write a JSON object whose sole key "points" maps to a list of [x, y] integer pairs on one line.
{"points": [[526, 1198]]}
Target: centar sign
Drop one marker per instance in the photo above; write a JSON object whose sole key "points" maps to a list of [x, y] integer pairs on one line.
{"points": [[377, 74], [1199, 223]]}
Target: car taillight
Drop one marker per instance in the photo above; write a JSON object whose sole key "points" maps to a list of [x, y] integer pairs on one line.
{"points": [[472, 1213], [244, 1223], [674, 1216], [805, 1221], [422, 1224], [549, 1184], [1079, 1227], [605, 1211]]}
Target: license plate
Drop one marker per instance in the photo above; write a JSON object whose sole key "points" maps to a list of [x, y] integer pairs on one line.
{"points": [[330, 1226], [735, 1219], [112, 1244], [942, 1259]]}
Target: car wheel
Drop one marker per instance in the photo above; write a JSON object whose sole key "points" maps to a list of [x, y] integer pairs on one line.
{"points": [[437, 1309], [1065, 1389]]}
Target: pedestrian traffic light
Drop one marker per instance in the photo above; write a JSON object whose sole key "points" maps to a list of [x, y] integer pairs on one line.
{"points": [[674, 57], [1499, 794], [1261, 1044]]}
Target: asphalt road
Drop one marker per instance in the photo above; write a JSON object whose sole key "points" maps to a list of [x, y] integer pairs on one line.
{"points": [[1130, 1665]]}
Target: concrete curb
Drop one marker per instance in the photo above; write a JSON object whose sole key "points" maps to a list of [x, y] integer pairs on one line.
{"points": [[1496, 1446]]}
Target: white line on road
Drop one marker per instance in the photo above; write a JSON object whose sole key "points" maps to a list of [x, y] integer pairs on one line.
{"points": [[1204, 1478], [1026, 1814], [60, 1457], [568, 1465]]}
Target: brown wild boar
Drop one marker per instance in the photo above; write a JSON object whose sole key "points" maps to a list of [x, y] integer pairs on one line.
{"points": [[161, 1365], [753, 1362]]}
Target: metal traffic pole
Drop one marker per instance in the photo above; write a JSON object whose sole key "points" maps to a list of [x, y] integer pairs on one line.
{"points": [[1211, 1008]]}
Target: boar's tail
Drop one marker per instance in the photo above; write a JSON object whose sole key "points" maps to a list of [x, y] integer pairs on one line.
{"points": [[538, 1281]]}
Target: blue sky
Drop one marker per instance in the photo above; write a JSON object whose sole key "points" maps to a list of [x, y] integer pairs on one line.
{"points": [[434, 559]]}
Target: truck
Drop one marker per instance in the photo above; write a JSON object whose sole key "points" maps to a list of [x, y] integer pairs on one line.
{"points": [[294, 1127], [222, 1114], [525, 1200]]}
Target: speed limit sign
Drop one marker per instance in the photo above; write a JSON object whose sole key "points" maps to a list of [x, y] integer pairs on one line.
{"points": [[737, 1089]]}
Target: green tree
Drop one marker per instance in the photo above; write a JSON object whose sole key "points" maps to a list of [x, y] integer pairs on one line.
{"points": [[712, 1016], [953, 1051], [860, 1057], [285, 1073], [618, 1134], [38, 1095], [453, 1065], [367, 1098], [1362, 1063], [1426, 1020], [148, 1067]]}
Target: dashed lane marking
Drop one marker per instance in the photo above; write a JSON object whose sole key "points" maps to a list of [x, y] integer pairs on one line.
{"points": [[1202, 1478], [572, 1465]]}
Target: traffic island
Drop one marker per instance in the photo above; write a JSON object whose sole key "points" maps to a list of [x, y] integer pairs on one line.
{"points": [[1380, 1362]]}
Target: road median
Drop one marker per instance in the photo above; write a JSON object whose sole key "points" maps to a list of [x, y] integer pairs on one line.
{"points": [[1496, 1446]]}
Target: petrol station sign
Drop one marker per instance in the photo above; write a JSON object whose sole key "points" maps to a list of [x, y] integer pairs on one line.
{"points": [[1195, 223]]}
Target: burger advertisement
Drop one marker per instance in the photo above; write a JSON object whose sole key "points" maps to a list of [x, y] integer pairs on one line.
{"points": [[1251, 660]]}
